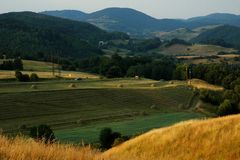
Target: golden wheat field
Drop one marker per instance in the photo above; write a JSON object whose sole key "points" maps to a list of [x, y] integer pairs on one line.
{"points": [[212, 139]]}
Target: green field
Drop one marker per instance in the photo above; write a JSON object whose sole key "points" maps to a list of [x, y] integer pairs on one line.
{"points": [[78, 113], [131, 126]]}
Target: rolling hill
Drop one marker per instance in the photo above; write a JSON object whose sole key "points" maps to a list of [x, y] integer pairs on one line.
{"points": [[33, 35], [115, 19], [204, 139], [227, 36], [137, 23]]}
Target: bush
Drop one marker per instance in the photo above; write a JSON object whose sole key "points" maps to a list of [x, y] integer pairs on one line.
{"points": [[212, 97], [18, 75], [25, 78], [226, 108], [232, 96], [114, 72], [42, 133], [107, 137], [34, 77], [120, 140], [22, 77]]}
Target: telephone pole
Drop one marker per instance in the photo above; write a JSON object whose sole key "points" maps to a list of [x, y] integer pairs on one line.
{"points": [[59, 66], [53, 67]]}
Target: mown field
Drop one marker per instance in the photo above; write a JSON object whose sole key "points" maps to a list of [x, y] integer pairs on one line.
{"points": [[44, 70], [78, 113]]}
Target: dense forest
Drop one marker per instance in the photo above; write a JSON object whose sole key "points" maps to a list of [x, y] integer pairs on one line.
{"points": [[226, 36], [36, 36]]}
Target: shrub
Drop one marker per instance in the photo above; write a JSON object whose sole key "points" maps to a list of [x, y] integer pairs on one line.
{"points": [[22, 77], [25, 78], [114, 71], [43, 133], [226, 108], [213, 97], [18, 75], [119, 141], [107, 137], [34, 77], [231, 95]]}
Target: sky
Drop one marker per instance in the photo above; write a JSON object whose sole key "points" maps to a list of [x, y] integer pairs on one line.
{"points": [[155, 8]]}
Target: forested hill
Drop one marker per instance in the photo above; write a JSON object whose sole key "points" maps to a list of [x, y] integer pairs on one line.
{"points": [[140, 24], [226, 36], [35, 36]]}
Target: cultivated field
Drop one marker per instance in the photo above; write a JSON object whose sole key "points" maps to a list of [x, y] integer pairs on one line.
{"points": [[195, 50], [44, 70], [48, 74], [77, 110]]}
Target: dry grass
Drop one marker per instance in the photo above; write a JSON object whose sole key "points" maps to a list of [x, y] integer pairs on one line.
{"points": [[214, 139], [27, 149], [229, 56], [200, 84]]}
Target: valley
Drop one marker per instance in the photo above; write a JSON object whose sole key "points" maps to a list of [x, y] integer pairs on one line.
{"points": [[118, 84]]}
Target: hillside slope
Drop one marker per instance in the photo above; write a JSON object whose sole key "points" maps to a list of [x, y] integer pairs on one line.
{"points": [[29, 35], [205, 139], [227, 36], [214, 139]]}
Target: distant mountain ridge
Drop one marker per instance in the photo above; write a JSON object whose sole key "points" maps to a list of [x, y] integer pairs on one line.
{"points": [[137, 23]]}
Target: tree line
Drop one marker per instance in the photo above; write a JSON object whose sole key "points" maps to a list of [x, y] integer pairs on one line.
{"points": [[14, 64]]}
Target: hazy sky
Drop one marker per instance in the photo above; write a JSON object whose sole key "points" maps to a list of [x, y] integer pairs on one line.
{"points": [[155, 8]]}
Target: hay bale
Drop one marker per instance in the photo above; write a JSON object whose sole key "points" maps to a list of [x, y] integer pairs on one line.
{"points": [[72, 85], [120, 85], [153, 106], [153, 85], [33, 87], [137, 77]]}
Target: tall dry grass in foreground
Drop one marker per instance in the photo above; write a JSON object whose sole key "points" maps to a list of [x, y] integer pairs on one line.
{"points": [[214, 139], [27, 149]]}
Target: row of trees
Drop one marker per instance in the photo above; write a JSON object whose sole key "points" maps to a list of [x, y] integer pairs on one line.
{"points": [[154, 67], [15, 64], [224, 74], [25, 77], [228, 101]]}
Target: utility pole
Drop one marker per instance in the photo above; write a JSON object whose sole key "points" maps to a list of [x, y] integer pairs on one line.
{"points": [[53, 67], [187, 72], [59, 66]]}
